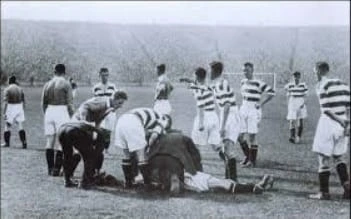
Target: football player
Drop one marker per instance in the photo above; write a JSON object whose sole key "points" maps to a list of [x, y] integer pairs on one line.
{"points": [[163, 90], [175, 162], [333, 130], [14, 111], [229, 116], [90, 142], [94, 110], [297, 112], [252, 90], [57, 107], [105, 89], [206, 124], [130, 135]]}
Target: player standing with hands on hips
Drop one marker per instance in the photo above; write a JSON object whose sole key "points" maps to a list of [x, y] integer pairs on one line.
{"points": [[251, 112], [333, 129]]}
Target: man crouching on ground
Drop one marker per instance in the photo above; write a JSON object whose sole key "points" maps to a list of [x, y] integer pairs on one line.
{"points": [[176, 161], [80, 136]]}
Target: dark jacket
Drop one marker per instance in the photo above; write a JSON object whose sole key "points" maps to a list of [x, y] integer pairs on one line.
{"points": [[180, 147]]}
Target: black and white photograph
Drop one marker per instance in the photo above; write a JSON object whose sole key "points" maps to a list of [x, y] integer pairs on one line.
{"points": [[175, 109]]}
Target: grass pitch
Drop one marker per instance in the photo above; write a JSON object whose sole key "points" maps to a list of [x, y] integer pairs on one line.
{"points": [[27, 191]]}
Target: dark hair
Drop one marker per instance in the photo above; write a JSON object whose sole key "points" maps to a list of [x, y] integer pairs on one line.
{"points": [[297, 73], [200, 73], [322, 66], [217, 66], [103, 70], [248, 64], [12, 80], [161, 68], [60, 69], [120, 95]]}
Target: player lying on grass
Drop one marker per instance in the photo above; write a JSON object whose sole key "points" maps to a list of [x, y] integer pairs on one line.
{"points": [[81, 136], [175, 162]]}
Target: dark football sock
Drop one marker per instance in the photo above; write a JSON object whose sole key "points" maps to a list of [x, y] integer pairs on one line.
{"points": [[242, 188], [254, 150], [341, 168], [7, 136], [22, 135], [245, 148], [127, 171], [145, 171], [232, 173], [300, 129], [292, 133], [324, 181], [50, 159]]}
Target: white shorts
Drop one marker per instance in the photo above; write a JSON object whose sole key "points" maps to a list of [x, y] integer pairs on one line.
{"points": [[109, 121], [232, 128], [294, 110], [210, 134], [329, 138], [250, 118], [197, 182], [130, 133], [14, 113], [163, 107], [54, 117]]}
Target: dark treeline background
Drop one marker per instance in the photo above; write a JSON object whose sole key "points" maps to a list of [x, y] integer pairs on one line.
{"points": [[32, 48]]}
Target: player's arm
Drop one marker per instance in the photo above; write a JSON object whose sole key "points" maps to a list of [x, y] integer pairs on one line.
{"points": [[268, 94], [44, 98], [201, 113], [23, 100], [225, 118], [69, 100], [6, 94]]}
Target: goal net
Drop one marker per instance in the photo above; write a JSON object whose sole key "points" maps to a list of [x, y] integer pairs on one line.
{"points": [[234, 79]]}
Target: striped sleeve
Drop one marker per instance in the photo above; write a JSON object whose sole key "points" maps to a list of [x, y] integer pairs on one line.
{"points": [[266, 88]]}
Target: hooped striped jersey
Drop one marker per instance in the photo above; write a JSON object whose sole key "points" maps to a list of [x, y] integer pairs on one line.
{"points": [[334, 95], [107, 89], [204, 97], [151, 120], [223, 93], [252, 90], [296, 90], [163, 88]]}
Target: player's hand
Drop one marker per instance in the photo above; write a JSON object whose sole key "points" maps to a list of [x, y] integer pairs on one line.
{"points": [[201, 127], [258, 105], [222, 133], [153, 138]]}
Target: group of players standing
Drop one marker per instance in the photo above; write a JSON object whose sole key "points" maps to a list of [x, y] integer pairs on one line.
{"points": [[140, 127]]}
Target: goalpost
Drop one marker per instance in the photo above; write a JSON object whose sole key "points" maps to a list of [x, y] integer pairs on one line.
{"points": [[235, 78]]}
